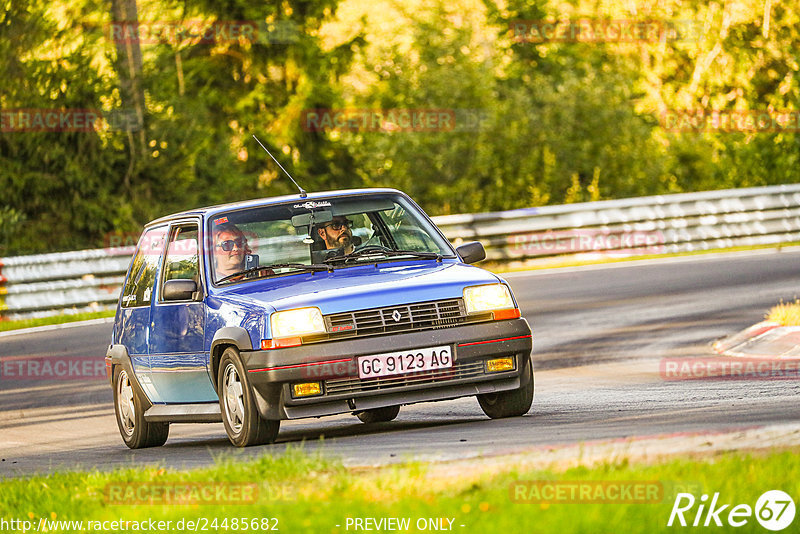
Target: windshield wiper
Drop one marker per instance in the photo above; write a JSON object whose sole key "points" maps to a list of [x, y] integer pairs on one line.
{"points": [[300, 266], [374, 251], [416, 254]]}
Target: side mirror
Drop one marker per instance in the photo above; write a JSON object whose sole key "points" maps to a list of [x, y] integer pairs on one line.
{"points": [[179, 289], [472, 252]]}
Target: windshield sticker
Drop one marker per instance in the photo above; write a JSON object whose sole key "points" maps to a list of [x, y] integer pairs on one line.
{"points": [[221, 220], [310, 205]]}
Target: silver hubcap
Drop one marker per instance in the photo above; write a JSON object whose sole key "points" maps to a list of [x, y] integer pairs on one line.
{"points": [[234, 398], [126, 408]]}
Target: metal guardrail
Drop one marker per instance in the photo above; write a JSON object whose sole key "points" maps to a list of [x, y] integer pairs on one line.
{"points": [[65, 282], [71, 282], [645, 225]]}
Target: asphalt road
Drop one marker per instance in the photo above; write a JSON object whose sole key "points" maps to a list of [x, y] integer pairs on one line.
{"points": [[600, 334]]}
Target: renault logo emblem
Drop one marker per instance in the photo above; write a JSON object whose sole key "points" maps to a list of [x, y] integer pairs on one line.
{"points": [[396, 316]]}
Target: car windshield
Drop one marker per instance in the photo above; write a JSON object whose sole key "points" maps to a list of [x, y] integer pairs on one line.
{"points": [[320, 234]]}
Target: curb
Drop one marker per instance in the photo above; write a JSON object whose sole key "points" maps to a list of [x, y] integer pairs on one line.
{"points": [[765, 340]]}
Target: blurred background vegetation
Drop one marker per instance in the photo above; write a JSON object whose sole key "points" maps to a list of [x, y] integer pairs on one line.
{"points": [[551, 122]]}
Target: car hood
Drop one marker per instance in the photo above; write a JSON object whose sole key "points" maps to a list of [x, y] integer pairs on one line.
{"points": [[364, 286]]}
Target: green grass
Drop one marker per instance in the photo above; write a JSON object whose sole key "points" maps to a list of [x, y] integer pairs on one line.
{"points": [[307, 493], [55, 319]]}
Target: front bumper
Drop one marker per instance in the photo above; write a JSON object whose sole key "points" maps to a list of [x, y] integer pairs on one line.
{"points": [[334, 363]]}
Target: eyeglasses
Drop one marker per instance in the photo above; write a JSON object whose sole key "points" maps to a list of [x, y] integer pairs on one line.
{"points": [[338, 225], [227, 245]]}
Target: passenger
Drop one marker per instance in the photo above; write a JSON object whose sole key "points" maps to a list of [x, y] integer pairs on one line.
{"points": [[338, 235], [230, 249]]}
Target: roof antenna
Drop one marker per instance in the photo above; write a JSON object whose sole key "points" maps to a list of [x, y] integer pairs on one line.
{"points": [[303, 193]]}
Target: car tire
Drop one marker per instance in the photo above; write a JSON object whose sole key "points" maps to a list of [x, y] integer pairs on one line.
{"points": [[136, 432], [243, 424], [379, 415], [512, 403]]}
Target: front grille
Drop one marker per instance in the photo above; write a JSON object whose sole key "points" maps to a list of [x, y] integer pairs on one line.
{"points": [[337, 386], [403, 318]]}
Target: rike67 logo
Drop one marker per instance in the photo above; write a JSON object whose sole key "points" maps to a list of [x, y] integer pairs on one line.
{"points": [[774, 510]]}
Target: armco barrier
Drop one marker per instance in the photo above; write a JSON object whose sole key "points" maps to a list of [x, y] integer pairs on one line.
{"points": [[90, 279], [658, 224], [64, 282]]}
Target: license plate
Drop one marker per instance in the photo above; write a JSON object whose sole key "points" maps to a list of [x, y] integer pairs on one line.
{"points": [[407, 361]]}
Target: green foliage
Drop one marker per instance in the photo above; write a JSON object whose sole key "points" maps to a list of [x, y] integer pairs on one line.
{"points": [[203, 102], [43, 175], [536, 122]]}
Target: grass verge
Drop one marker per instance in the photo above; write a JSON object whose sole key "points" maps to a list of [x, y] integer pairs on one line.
{"points": [[55, 319], [785, 314], [304, 493]]}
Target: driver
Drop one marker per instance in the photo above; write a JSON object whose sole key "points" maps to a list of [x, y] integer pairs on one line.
{"points": [[230, 249], [337, 234]]}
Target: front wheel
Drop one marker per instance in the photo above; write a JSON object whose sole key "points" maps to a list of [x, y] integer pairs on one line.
{"points": [[129, 408], [512, 403], [240, 416], [379, 415]]}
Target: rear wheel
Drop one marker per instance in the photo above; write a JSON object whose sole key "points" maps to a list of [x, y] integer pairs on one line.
{"points": [[129, 408], [240, 416], [379, 415], [509, 403]]}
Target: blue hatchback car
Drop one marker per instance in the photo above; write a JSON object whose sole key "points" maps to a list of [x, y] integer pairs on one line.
{"points": [[305, 306]]}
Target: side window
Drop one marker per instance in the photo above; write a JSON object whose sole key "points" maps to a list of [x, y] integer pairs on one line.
{"points": [[362, 229], [139, 286], [182, 261]]}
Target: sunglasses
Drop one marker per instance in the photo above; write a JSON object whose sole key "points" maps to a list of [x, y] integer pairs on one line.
{"points": [[228, 244], [339, 225]]}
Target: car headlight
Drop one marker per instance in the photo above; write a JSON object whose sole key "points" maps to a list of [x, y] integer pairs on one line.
{"points": [[297, 322], [482, 299]]}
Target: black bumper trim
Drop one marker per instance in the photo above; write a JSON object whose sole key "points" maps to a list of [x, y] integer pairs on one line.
{"points": [[453, 391], [317, 360], [272, 371]]}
